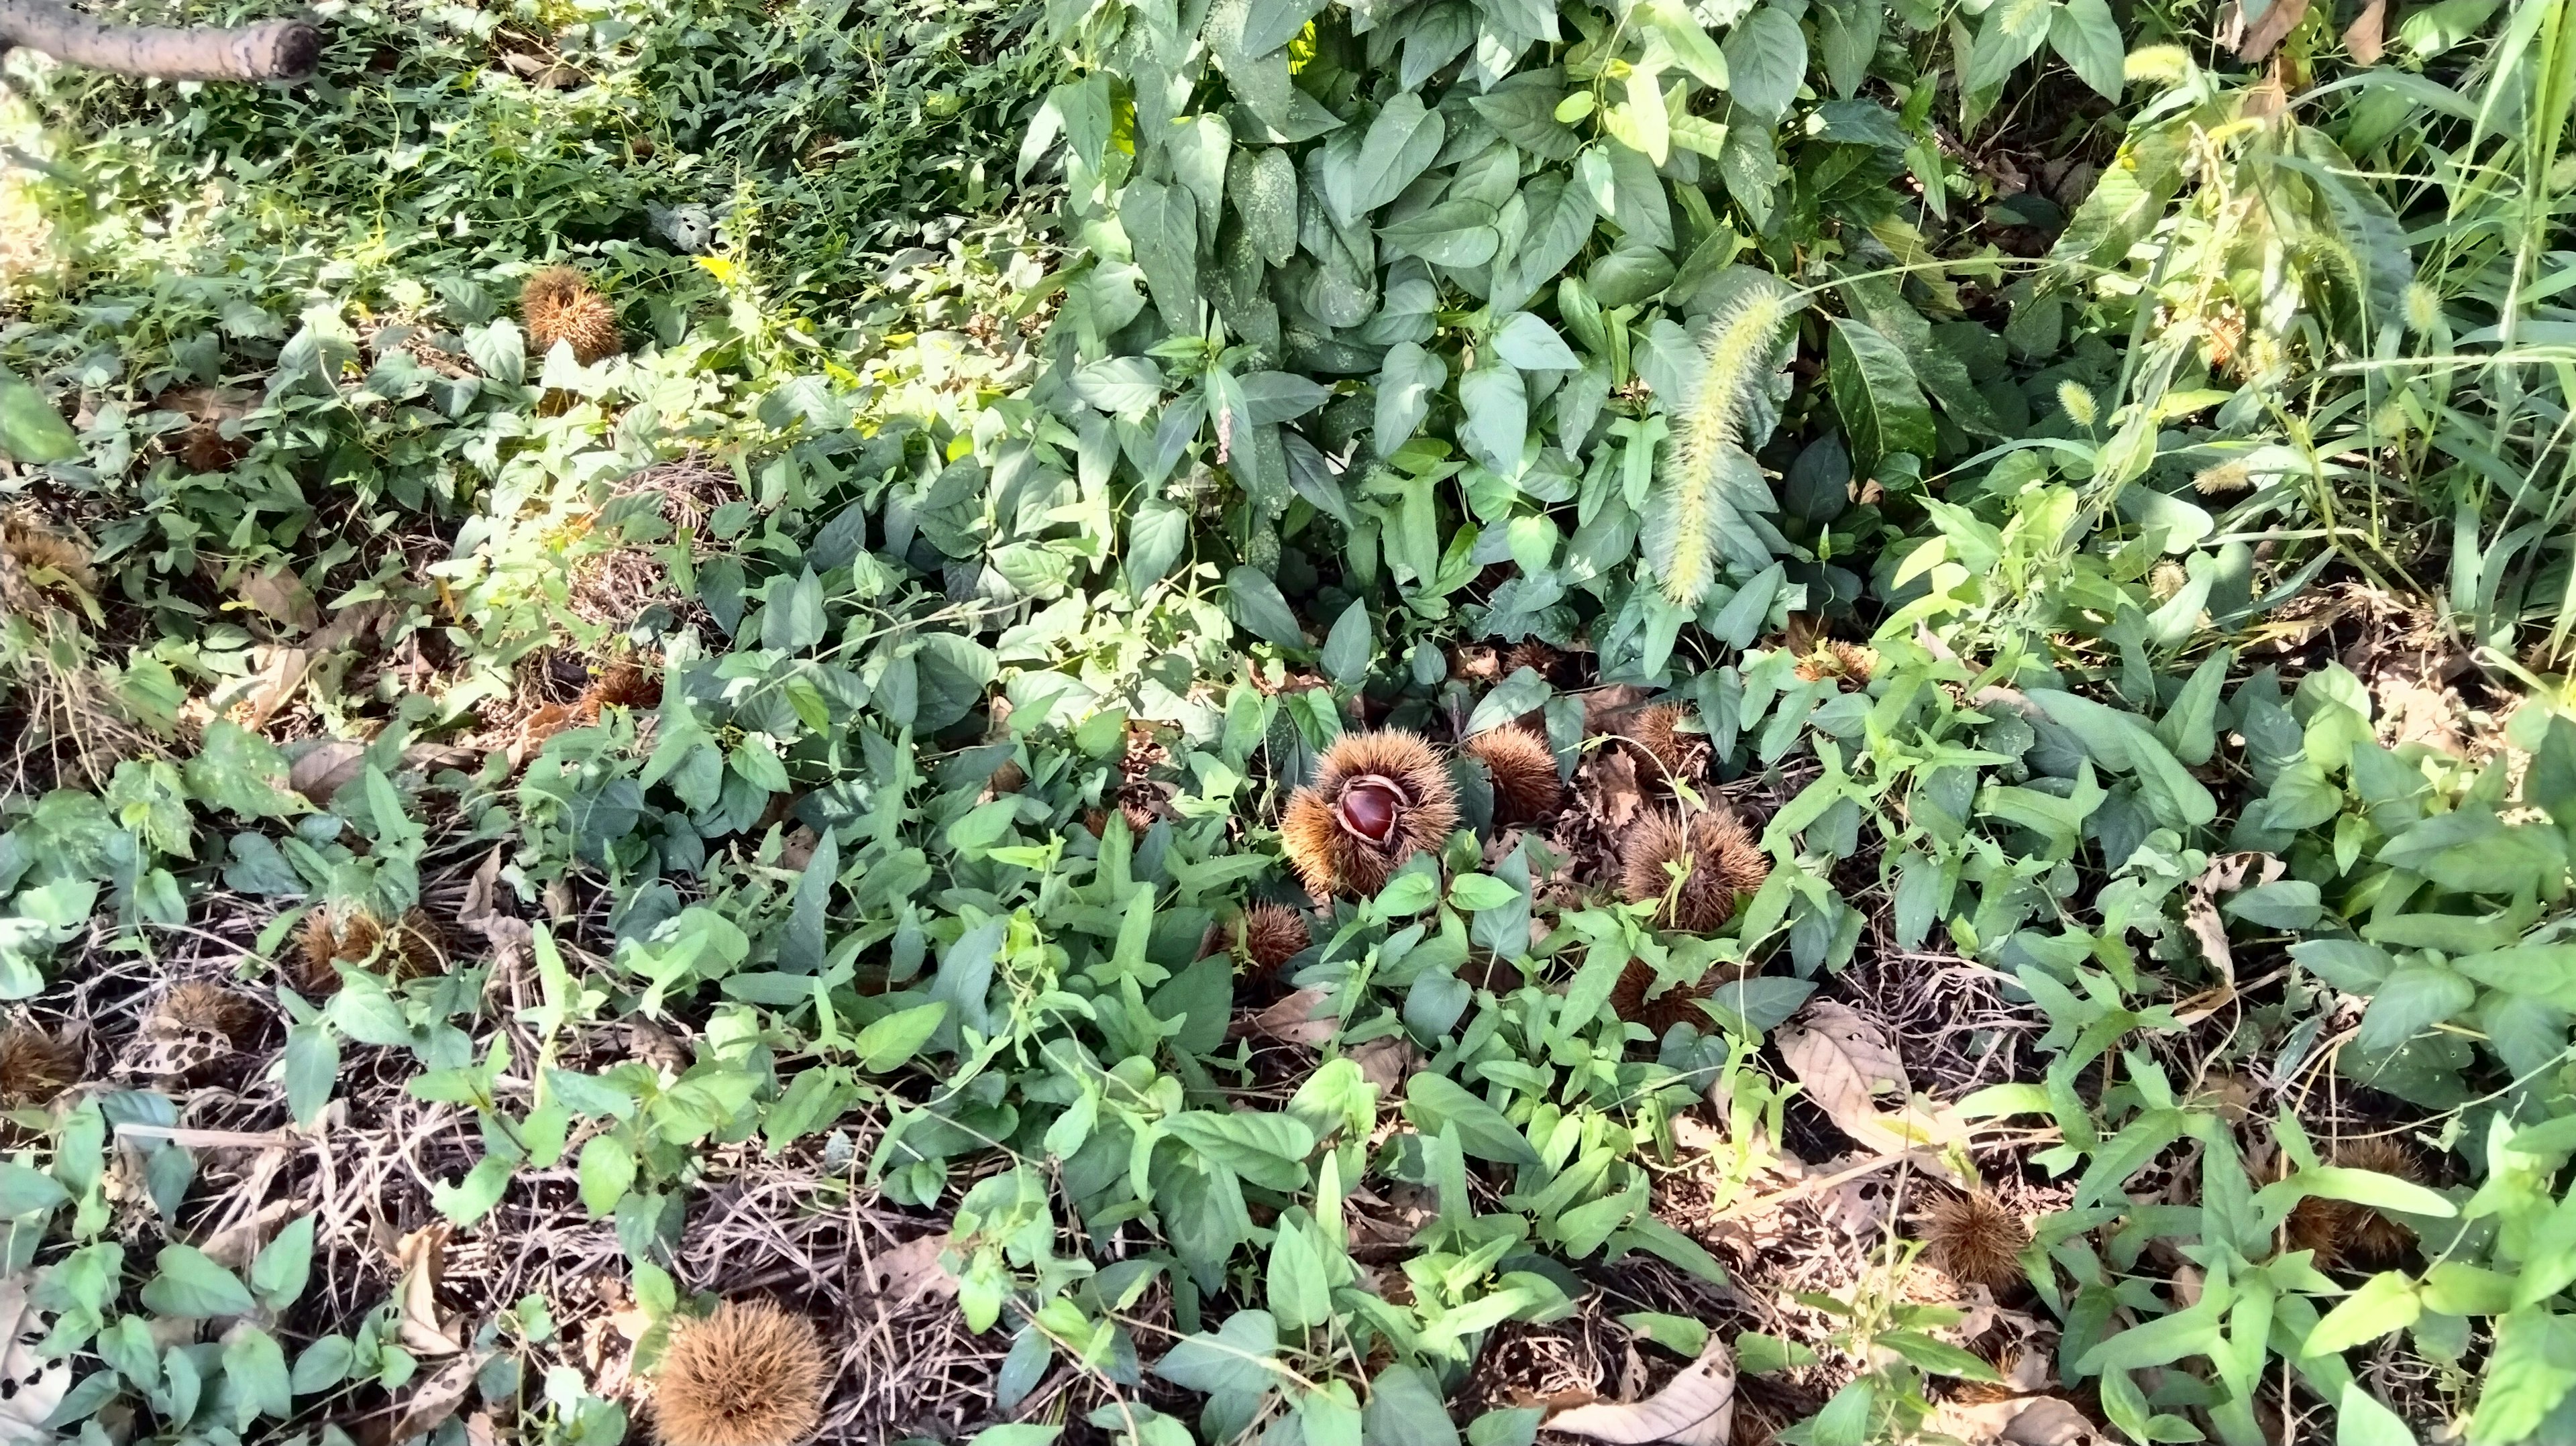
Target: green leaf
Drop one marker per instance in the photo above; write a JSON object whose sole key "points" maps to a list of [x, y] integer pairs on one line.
{"points": [[607, 1173], [185, 1282], [1350, 647], [255, 1376], [30, 429], [2085, 35], [794, 621], [1478, 892], [890, 1042], [1253, 601], [2361, 1419], [27, 1192], [1267, 1149], [1497, 423], [279, 1272], [324, 1364], [2122, 741], [2386, 1302], [2413, 998], [1874, 393], [2010, 33], [1432, 1101], [1681, 1335], [1242, 1355], [2360, 1187], [1405, 1409], [312, 1067], [1525, 691], [1297, 1289], [1403, 139], [237, 769], [1766, 62]]}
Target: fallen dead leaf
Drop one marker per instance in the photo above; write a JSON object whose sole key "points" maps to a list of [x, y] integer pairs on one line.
{"points": [[482, 893], [1695, 1408], [1848, 1066], [279, 674], [37, 1386], [2225, 875], [1292, 1020], [910, 1271], [1386, 1062], [422, 1259], [2365, 38], [2268, 29], [437, 1398], [2013, 1421], [281, 595], [321, 770]]}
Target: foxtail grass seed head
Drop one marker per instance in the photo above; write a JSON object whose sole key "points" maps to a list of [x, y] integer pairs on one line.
{"points": [[1975, 1240], [1377, 800], [2224, 478], [2077, 402], [751, 1374], [1708, 429], [1524, 771], [2423, 308]]}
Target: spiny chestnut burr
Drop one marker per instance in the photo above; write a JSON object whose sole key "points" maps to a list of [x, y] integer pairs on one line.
{"points": [[1718, 859], [1377, 800], [1524, 772]]}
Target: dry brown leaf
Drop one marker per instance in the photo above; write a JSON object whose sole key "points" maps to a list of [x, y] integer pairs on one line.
{"points": [[2268, 30], [348, 624], [281, 595], [279, 674], [1847, 1065], [1695, 1408], [1386, 1062], [422, 1259], [2366, 37], [909, 1271], [482, 893], [1292, 1020], [2225, 874], [321, 770], [2013, 1421], [437, 1398], [37, 1386]]}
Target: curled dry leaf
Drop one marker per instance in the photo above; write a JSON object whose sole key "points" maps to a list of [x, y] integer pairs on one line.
{"points": [[422, 1258], [281, 595], [910, 1271], [2225, 874], [437, 1397], [2366, 37], [1386, 1062], [2013, 1421], [1695, 1408], [1292, 1020], [2268, 29], [1848, 1066], [35, 1385]]}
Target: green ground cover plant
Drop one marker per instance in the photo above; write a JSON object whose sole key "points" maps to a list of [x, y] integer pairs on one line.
{"points": [[1160, 723]]}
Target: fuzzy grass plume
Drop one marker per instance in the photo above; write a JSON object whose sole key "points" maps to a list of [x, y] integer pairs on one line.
{"points": [[1708, 431], [749, 1375]]}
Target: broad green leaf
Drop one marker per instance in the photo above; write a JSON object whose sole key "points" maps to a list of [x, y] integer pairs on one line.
{"points": [[30, 429], [1766, 61], [1241, 1355], [607, 1173], [2086, 36], [185, 1282], [2362, 1420], [1874, 393], [1432, 1101], [1253, 601], [2386, 1302]]}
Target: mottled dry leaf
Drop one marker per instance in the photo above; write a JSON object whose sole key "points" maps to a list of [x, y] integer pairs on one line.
{"points": [[2013, 1421], [281, 595], [2225, 875], [437, 1397], [280, 673], [1695, 1408], [2366, 36], [323, 769], [909, 1271], [422, 1258], [1849, 1068], [38, 1385], [1293, 1020]]}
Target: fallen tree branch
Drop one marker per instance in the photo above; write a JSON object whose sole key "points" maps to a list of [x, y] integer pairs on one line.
{"points": [[273, 50]]}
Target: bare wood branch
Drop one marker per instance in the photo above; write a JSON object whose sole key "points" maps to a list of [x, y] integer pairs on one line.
{"points": [[273, 50]]}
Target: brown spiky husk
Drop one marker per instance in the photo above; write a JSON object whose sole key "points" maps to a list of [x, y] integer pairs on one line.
{"points": [[1329, 858], [35, 1066], [558, 305], [749, 1375], [201, 1005], [1975, 1240], [1272, 935], [1657, 733], [1677, 1005], [412, 947], [1524, 770], [1847, 663], [1721, 865], [625, 684], [2343, 1233], [34, 546], [1531, 654]]}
